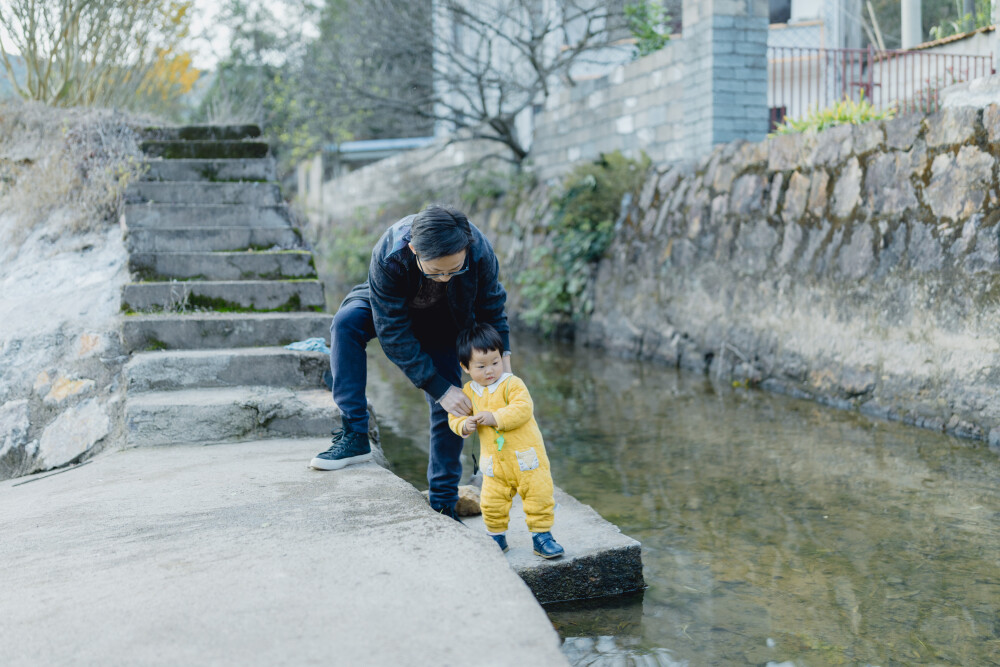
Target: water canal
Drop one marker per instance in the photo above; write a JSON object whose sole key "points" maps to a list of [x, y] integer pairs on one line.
{"points": [[775, 531]]}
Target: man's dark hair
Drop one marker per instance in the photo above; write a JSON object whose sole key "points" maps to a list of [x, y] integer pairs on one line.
{"points": [[481, 337], [438, 231]]}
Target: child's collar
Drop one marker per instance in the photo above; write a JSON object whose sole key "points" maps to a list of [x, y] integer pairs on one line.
{"points": [[478, 388]]}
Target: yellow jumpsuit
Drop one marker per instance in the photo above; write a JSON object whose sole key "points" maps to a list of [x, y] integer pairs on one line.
{"points": [[519, 464]]}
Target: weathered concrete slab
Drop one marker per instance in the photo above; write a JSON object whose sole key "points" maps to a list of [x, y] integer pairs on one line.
{"points": [[227, 239], [259, 295], [250, 265], [227, 414], [241, 555], [254, 366], [161, 192], [200, 150], [259, 169], [221, 330], [138, 216], [202, 132], [599, 562]]}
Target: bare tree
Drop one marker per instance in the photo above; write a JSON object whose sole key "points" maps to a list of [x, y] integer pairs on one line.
{"points": [[107, 52], [471, 65]]}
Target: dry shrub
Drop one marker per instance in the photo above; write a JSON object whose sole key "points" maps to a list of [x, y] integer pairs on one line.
{"points": [[65, 166]]}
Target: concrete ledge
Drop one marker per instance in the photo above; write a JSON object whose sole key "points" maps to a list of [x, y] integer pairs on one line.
{"points": [[255, 366], [257, 194], [259, 169], [202, 132], [228, 239], [222, 330], [599, 562], [206, 215], [260, 265], [202, 149], [260, 295], [241, 555], [227, 414]]}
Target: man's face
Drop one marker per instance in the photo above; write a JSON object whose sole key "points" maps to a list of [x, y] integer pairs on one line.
{"points": [[442, 269]]}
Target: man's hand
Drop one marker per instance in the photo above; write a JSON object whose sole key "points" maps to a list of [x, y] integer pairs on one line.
{"points": [[506, 364], [455, 402]]}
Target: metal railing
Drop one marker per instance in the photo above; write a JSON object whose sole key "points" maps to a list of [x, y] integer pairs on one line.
{"points": [[801, 80]]}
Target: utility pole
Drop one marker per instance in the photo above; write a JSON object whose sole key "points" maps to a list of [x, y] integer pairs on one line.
{"points": [[910, 19]]}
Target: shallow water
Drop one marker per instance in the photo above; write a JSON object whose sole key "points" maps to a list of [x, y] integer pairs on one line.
{"points": [[774, 530]]}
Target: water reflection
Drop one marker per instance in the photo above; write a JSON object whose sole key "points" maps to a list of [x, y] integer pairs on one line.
{"points": [[773, 530]]}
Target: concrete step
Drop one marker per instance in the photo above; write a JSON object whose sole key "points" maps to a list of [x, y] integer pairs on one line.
{"points": [[211, 170], [225, 295], [599, 561], [206, 215], [248, 265], [168, 370], [227, 414], [194, 331], [204, 150], [202, 132], [202, 239], [257, 194]]}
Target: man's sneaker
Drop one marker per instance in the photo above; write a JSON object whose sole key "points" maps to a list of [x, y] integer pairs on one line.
{"points": [[501, 541], [348, 447], [447, 511], [546, 545]]}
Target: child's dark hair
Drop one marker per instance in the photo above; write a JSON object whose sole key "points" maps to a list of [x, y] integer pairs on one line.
{"points": [[482, 337]]}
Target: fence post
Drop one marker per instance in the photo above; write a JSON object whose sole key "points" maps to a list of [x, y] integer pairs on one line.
{"points": [[724, 57]]}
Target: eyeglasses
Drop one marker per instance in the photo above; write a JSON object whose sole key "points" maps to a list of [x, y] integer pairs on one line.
{"points": [[449, 274]]}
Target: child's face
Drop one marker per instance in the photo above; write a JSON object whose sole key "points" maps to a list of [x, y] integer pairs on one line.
{"points": [[485, 367]]}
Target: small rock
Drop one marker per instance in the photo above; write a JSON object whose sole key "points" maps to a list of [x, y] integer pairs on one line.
{"points": [[951, 126], [468, 500], [959, 183], [818, 192], [14, 425], [847, 191], [72, 433], [62, 388], [795, 198]]}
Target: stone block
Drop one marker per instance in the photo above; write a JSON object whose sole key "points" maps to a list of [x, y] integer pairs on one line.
{"points": [[818, 192], [902, 131], [959, 184], [14, 426], [857, 256], [925, 252], [795, 198], [789, 151], [847, 191], [833, 145], [952, 126], [991, 122], [888, 189], [748, 194], [72, 434]]}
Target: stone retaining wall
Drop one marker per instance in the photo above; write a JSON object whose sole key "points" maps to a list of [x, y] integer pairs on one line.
{"points": [[859, 266]]}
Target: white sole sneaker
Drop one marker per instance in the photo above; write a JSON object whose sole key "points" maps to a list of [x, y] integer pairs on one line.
{"points": [[328, 464]]}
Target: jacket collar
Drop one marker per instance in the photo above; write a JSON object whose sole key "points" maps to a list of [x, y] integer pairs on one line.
{"points": [[478, 388]]}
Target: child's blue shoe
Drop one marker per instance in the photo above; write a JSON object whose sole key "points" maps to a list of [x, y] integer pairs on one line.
{"points": [[546, 545], [501, 541]]}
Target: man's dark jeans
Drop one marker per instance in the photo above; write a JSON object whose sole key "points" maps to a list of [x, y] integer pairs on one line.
{"points": [[350, 332]]}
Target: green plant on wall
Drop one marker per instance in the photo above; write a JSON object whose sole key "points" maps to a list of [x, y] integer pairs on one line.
{"points": [[557, 287], [649, 24], [845, 112]]}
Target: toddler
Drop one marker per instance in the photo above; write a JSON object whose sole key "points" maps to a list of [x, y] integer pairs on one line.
{"points": [[512, 454]]}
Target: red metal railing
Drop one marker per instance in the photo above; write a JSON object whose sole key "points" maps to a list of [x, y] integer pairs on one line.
{"points": [[801, 80]]}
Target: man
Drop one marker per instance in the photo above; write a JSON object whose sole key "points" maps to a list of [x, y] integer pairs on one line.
{"points": [[432, 275]]}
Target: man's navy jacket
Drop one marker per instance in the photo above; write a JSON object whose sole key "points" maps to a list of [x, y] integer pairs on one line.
{"points": [[394, 279]]}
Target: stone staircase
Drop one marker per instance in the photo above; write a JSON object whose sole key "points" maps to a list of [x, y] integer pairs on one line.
{"points": [[222, 282]]}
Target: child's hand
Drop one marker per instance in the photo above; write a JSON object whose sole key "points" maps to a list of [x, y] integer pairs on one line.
{"points": [[469, 426], [486, 418]]}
